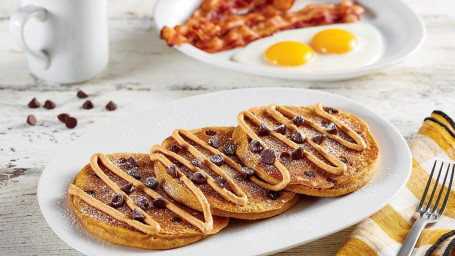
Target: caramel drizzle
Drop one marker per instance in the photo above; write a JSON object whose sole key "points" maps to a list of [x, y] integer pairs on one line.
{"points": [[238, 197], [153, 227], [284, 172]]}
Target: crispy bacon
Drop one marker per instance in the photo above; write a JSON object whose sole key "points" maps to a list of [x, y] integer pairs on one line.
{"points": [[220, 25]]}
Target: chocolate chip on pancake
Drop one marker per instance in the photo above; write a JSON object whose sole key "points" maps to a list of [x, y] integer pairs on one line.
{"points": [[274, 195], [174, 147], [90, 192], [319, 138], [210, 132], [221, 181], [34, 103], [280, 129], [62, 117], [310, 174], [133, 172], [229, 148], [130, 162], [81, 95], [268, 156], [111, 106], [117, 200], [31, 120], [176, 219], [331, 180], [128, 188], [197, 162], [159, 202], [49, 104], [297, 153], [71, 122], [199, 178], [143, 202], [331, 128], [137, 215], [298, 137], [263, 129], [217, 159], [151, 182], [87, 104], [256, 146], [298, 120], [172, 170], [214, 141], [285, 156], [330, 110], [247, 172]]}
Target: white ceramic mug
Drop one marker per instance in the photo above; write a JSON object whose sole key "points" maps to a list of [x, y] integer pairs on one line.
{"points": [[66, 41]]}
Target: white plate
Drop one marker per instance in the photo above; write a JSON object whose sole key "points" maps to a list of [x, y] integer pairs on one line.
{"points": [[402, 29], [311, 219]]}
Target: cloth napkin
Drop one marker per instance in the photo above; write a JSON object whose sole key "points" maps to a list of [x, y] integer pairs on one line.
{"points": [[384, 232]]}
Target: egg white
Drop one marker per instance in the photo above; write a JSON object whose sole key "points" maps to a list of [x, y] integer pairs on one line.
{"points": [[369, 49]]}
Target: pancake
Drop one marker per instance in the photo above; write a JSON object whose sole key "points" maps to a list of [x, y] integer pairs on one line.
{"points": [[322, 151], [112, 202], [227, 188]]}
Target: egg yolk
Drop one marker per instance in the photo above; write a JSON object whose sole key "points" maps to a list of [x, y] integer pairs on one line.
{"points": [[289, 53], [334, 41]]}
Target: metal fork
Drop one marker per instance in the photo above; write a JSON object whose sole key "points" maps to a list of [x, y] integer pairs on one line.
{"points": [[424, 213]]}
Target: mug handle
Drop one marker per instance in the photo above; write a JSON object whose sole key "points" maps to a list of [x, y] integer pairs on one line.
{"points": [[17, 23]]}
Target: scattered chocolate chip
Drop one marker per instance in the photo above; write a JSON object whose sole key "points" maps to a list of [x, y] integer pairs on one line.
{"points": [[214, 141], [210, 132], [133, 172], [331, 128], [263, 129], [280, 129], [87, 105], [62, 117], [197, 162], [247, 172], [268, 156], [318, 139], [176, 219], [122, 160], [344, 160], [130, 162], [310, 174], [199, 178], [49, 104], [31, 120], [229, 148], [297, 153], [298, 137], [256, 146], [159, 202], [331, 180], [331, 110], [128, 188], [71, 122], [221, 181], [174, 147], [217, 159], [34, 103], [81, 95], [90, 192], [285, 156], [117, 200], [137, 215], [143, 202], [151, 182], [274, 195], [298, 120], [172, 170], [111, 106]]}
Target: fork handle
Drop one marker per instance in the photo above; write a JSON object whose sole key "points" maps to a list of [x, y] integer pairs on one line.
{"points": [[413, 236]]}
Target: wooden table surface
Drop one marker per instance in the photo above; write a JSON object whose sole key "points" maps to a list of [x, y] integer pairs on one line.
{"points": [[144, 72]]}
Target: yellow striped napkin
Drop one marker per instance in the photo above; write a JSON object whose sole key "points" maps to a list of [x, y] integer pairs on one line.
{"points": [[384, 232]]}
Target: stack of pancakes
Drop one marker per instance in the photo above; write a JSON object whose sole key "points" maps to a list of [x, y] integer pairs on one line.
{"points": [[188, 187]]}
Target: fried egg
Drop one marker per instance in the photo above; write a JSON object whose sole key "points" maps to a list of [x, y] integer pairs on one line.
{"points": [[334, 47]]}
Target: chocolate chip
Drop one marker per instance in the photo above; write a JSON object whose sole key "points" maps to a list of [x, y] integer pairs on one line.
{"points": [[310, 174], [122, 160], [62, 117], [210, 132], [197, 162], [217, 159], [90, 192], [34, 103], [174, 147], [111, 106], [137, 215], [81, 95], [130, 162], [280, 129], [159, 202], [344, 160], [298, 137], [176, 219], [31, 120], [263, 129], [331, 128], [229, 148], [133, 172], [128, 188], [221, 181], [87, 105], [298, 120], [49, 104], [285, 156], [274, 195], [268, 156], [151, 182], [331, 180], [143, 202], [256, 146], [297, 153], [117, 200], [172, 170], [318, 139], [247, 172], [199, 178], [214, 141], [71, 122], [331, 110]]}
